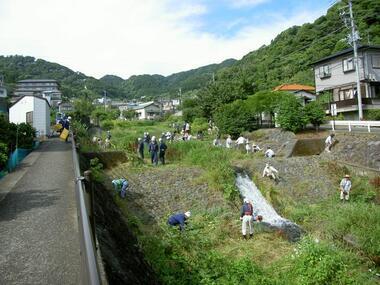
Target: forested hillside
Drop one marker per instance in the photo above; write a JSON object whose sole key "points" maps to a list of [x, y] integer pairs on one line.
{"points": [[73, 84], [286, 59]]}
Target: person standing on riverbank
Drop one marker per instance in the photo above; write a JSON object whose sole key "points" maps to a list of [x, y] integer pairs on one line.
{"points": [[345, 188], [162, 150], [246, 216], [140, 148], [229, 142], [153, 149]]}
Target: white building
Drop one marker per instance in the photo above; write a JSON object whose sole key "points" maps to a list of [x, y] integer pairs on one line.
{"points": [[34, 111], [148, 111]]}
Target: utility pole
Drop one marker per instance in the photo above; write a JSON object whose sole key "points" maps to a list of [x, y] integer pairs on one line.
{"points": [[105, 99], [180, 96], [354, 38]]}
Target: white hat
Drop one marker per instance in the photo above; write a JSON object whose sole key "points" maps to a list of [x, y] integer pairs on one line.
{"points": [[153, 138], [139, 139], [160, 139], [188, 214], [246, 200]]}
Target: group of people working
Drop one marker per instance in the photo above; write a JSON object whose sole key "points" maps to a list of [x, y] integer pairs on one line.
{"points": [[156, 149]]}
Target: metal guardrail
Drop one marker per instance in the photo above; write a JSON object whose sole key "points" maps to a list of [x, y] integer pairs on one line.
{"points": [[351, 124], [89, 266]]}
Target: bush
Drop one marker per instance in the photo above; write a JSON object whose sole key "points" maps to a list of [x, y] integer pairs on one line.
{"points": [[3, 155], [373, 115], [290, 114], [235, 118]]}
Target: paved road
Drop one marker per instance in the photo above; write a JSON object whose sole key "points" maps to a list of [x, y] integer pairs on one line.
{"points": [[39, 242]]}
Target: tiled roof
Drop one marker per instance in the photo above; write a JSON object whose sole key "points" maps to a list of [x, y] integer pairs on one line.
{"points": [[294, 87]]}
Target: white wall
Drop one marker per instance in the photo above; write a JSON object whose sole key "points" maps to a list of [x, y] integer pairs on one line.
{"points": [[40, 109], [17, 112], [41, 117]]}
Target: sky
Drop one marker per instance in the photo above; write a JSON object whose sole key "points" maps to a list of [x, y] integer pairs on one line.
{"points": [[132, 37]]}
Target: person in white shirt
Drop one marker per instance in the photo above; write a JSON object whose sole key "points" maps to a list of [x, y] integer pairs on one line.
{"points": [[270, 171], [269, 152], [345, 187], [229, 142], [240, 142], [329, 142], [248, 147], [255, 147]]}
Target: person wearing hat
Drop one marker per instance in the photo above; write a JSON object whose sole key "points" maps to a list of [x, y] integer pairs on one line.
{"points": [[345, 187], [240, 142], [122, 184], [247, 217], [270, 171], [229, 142], [329, 142], [255, 147], [179, 219], [162, 149], [153, 149]]}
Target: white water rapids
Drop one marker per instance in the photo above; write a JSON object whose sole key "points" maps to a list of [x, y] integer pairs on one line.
{"points": [[249, 190]]}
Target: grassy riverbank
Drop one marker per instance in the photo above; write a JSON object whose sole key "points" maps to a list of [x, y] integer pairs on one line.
{"points": [[340, 246]]}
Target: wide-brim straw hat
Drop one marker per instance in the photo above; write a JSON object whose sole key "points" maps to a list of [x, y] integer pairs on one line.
{"points": [[346, 176]]}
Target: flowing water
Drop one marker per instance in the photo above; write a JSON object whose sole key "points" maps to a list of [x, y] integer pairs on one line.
{"points": [[249, 190]]}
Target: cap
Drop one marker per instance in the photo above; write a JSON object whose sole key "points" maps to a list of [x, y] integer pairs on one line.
{"points": [[188, 214], [246, 200]]}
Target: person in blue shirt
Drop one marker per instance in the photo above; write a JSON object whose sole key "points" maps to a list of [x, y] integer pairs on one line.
{"points": [[179, 220], [153, 149]]}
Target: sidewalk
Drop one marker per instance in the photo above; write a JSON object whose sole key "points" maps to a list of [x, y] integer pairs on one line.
{"points": [[39, 242]]}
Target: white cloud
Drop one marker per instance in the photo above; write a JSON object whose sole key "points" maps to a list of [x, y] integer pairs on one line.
{"points": [[125, 37], [246, 3]]}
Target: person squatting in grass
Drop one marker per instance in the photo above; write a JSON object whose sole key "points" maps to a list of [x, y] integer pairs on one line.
{"points": [[329, 142], [270, 171], [247, 217], [120, 185], [179, 219], [345, 187]]}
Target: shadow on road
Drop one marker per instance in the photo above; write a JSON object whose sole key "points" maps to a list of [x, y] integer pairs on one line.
{"points": [[17, 202]]}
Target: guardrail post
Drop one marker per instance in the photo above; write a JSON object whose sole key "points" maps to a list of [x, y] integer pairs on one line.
{"points": [[332, 125], [349, 126], [369, 127], [89, 186]]}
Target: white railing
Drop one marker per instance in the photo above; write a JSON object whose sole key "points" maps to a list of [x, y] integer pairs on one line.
{"points": [[351, 124]]}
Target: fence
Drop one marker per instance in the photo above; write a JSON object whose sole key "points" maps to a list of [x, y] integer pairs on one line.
{"points": [[89, 267], [351, 124]]}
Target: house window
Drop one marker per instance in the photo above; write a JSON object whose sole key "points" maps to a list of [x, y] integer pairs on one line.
{"points": [[29, 118], [376, 61], [348, 64], [324, 71]]}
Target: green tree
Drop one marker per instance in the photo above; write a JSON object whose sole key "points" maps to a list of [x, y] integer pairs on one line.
{"points": [[3, 155], [290, 113], [315, 114], [82, 110], [235, 118]]}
